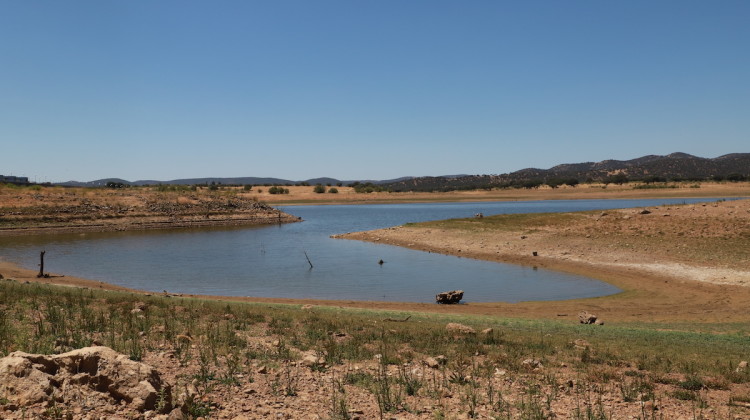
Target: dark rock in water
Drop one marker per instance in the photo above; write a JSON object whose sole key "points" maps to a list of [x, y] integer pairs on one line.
{"points": [[453, 296]]}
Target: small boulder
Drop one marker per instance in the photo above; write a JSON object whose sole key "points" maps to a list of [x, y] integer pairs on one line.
{"points": [[586, 318], [532, 364], [311, 359], [581, 344], [459, 328], [431, 362]]}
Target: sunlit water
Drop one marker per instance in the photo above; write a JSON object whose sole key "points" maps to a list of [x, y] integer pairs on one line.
{"points": [[270, 261]]}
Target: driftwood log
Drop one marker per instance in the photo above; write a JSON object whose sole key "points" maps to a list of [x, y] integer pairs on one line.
{"points": [[453, 296]]}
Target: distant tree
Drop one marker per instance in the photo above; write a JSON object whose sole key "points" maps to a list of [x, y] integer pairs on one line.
{"points": [[278, 190], [554, 183], [571, 182], [735, 177], [618, 179], [247, 187], [319, 189], [532, 183], [654, 178], [333, 190]]}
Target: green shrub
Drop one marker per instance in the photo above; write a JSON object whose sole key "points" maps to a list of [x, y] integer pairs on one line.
{"points": [[278, 190]]}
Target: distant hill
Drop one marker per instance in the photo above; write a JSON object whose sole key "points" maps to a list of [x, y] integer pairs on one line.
{"points": [[651, 168], [223, 181]]}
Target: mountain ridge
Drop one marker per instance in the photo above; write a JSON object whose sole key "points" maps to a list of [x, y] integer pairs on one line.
{"points": [[674, 166]]}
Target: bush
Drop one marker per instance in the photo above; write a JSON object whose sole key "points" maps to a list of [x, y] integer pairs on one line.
{"points": [[319, 189], [333, 190], [278, 190], [618, 179], [247, 187]]}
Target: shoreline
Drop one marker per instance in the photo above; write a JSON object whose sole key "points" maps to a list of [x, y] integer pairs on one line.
{"points": [[660, 299], [134, 225], [648, 293], [661, 278]]}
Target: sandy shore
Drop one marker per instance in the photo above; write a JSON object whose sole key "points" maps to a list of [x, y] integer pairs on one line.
{"points": [[678, 263]]}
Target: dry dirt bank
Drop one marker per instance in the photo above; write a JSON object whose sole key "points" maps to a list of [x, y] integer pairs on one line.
{"points": [[676, 263], [32, 210]]}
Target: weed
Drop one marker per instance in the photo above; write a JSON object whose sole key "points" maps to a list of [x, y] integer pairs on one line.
{"points": [[388, 395], [339, 407], [410, 382], [691, 383]]}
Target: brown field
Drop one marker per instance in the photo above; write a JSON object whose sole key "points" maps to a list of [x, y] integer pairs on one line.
{"points": [[347, 195]]}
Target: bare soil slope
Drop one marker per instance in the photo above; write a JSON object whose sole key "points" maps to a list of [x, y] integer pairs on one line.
{"points": [[37, 210]]}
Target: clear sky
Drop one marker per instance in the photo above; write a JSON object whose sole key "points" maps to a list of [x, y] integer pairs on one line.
{"points": [[370, 89]]}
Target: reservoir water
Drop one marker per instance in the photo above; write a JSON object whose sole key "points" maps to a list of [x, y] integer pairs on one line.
{"points": [[270, 261]]}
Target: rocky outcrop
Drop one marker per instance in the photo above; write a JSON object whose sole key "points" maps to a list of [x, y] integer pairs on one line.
{"points": [[99, 373], [453, 296]]}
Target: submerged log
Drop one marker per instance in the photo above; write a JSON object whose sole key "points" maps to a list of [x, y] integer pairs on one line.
{"points": [[453, 296]]}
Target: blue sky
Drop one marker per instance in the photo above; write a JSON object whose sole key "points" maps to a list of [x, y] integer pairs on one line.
{"points": [[364, 89]]}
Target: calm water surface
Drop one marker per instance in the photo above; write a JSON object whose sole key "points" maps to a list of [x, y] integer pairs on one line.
{"points": [[270, 261]]}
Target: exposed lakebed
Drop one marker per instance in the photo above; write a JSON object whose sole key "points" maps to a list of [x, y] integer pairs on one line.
{"points": [[270, 261]]}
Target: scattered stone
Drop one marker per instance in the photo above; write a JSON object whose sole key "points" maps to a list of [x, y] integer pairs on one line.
{"points": [[451, 297], [311, 359], [307, 307], [536, 254], [644, 211], [586, 318], [487, 331], [650, 406], [532, 364], [741, 367], [581, 344], [262, 370], [431, 362], [455, 327], [176, 414]]}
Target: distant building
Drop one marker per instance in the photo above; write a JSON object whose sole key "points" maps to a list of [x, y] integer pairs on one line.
{"points": [[14, 179]]}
